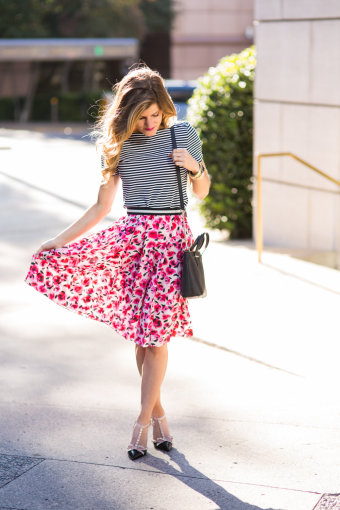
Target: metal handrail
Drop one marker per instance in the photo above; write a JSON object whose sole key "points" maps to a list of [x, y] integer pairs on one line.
{"points": [[259, 233]]}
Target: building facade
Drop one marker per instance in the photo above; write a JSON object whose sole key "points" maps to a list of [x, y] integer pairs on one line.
{"points": [[207, 30], [297, 110]]}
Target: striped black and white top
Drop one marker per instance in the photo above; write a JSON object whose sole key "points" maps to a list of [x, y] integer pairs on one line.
{"points": [[148, 173]]}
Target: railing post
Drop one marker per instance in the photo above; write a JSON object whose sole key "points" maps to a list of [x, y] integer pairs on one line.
{"points": [[259, 226], [259, 232]]}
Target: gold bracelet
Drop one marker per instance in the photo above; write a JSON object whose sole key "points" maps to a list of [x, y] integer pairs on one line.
{"points": [[199, 174]]}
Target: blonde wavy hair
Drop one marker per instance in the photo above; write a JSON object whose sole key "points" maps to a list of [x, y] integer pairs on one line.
{"points": [[138, 90]]}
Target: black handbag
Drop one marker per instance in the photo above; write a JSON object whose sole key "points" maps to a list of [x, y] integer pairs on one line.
{"points": [[192, 279]]}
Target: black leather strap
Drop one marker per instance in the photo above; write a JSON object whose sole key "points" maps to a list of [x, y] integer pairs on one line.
{"points": [[178, 170], [201, 241]]}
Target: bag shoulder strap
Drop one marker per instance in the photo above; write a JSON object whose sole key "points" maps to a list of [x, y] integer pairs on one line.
{"points": [[201, 241], [178, 171]]}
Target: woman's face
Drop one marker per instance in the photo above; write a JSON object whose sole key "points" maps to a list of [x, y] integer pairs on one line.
{"points": [[150, 120]]}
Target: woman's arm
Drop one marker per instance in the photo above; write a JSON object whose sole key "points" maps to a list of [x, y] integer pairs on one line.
{"points": [[89, 219], [201, 186]]}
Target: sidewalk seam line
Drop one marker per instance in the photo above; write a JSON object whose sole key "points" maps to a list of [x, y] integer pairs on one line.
{"points": [[245, 356], [301, 278], [180, 475], [11, 508], [42, 459]]}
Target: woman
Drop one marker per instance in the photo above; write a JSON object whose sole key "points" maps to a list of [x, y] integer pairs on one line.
{"points": [[128, 275]]}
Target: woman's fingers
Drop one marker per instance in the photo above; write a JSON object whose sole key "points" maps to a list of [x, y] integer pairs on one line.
{"points": [[179, 156], [48, 245], [39, 250]]}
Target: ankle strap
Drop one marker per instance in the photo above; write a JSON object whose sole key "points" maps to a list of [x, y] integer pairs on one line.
{"points": [[158, 419], [143, 426]]}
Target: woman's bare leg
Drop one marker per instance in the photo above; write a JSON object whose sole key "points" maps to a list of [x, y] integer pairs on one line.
{"points": [[153, 372], [158, 410], [140, 355], [152, 364]]}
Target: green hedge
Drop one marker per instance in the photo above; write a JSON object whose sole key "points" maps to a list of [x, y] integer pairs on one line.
{"points": [[221, 109], [7, 108], [72, 106]]}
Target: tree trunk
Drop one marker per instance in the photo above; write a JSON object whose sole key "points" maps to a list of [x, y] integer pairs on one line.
{"points": [[27, 108], [65, 76], [88, 75], [155, 52]]}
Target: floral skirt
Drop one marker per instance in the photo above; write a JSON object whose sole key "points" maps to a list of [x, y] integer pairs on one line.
{"points": [[126, 276]]}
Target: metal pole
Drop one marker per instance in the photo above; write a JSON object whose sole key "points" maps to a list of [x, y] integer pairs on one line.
{"points": [[259, 232]]}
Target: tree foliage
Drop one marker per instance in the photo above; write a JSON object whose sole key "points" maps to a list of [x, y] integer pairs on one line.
{"points": [[84, 18], [159, 15], [221, 109]]}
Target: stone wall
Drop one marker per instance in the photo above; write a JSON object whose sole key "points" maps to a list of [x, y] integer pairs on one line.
{"points": [[297, 109]]}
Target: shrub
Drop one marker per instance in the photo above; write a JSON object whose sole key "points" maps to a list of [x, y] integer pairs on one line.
{"points": [[221, 109], [72, 106], [6, 109]]}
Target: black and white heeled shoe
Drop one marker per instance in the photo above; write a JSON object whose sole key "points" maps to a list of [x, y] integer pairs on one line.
{"points": [[160, 440], [136, 449]]}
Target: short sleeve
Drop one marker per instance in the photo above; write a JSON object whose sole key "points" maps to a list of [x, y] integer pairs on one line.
{"points": [[102, 165], [194, 143], [101, 162]]}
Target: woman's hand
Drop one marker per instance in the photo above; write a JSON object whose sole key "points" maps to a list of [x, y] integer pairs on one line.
{"points": [[49, 245], [182, 157]]}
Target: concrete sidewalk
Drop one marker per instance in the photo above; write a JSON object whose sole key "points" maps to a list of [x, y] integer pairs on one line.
{"points": [[252, 400]]}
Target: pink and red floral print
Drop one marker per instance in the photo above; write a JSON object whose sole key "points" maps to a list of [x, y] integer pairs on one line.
{"points": [[126, 276]]}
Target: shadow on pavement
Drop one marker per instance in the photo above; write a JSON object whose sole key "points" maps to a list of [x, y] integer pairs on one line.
{"points": [[20, 207], [197, 481], [34, 188]]}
